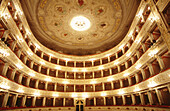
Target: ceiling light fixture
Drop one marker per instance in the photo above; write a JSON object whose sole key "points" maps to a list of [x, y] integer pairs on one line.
{"points": [[85, 95], [101, 67], [126, 74], [80, 23], [74, 95], [65, 82], [55, 95], [138, 66], [19, 66], [31, 74], [103, 94], [121, 92], [93, 82], [20, 90], [48, 79], [110, 79], [36, 94]]}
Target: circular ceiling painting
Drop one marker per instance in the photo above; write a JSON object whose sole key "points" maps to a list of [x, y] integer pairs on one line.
{"points": [[81, 24], [79, 27]]}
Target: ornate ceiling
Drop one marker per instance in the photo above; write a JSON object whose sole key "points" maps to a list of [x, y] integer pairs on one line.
{"points": [[50, 22]]}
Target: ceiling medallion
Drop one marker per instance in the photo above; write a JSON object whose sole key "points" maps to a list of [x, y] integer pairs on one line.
{"points": [[80, 23]]}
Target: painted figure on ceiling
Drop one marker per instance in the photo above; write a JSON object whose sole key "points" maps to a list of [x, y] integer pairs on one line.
{"points": [[81, 2]]}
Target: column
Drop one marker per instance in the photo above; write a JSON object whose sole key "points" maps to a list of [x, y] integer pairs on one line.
{"points": [[56, 73], [64, 99], [94, 101], [23, 100], [124, 100], [55, 86], [121, 83], [54, 101], [151, 69], [39, 68], [25, 35], [130, 81], [133, 37], [117, 55], [35, 49], [132, 59], [133, 99], [5, 68], [14, 43], [160, 61], [168, 87], [142, 99], [5, 35], [65, 74], [44, 100], [143, 74], [92, 63], [138, 54], [159, 95], [104, 99], [49, 58], [137, 28], [74, 63], [20, 26], [143, 20], [5, 100], [150, 97], [25, 59], [137, 78], [128, 44], [84, 64], [108, 58], [58, 61], [20, 78], [64, 87], [93, 87], [112, 85], [118, 67], [33, 100], [150, 36], [31, 64], [101, 73], [103, 86], [48, 71], [28, 81], [114, 100], [19, 53], [100, 61], [29, 43], [84, 102], [46, 85], [143, 47], [14, 100], [93, 74], [110, 71], [42, 54], [123, 50], [126, 65], [36, 84], [13, 74]]}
